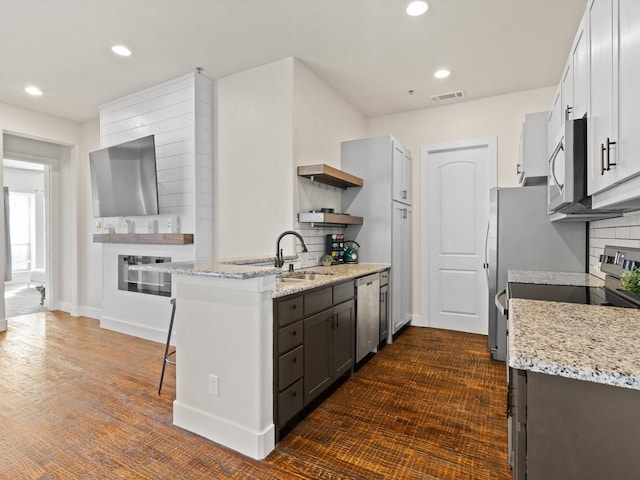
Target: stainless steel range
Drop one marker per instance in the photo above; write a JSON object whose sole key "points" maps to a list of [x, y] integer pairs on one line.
{"points": [[614, 262]]}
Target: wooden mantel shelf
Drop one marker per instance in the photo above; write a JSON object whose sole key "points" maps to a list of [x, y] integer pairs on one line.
{"points": [[148, 238]]}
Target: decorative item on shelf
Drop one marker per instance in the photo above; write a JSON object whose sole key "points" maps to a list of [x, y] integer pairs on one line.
{"points": [[327, 260], [335, 247], [351, 252]]}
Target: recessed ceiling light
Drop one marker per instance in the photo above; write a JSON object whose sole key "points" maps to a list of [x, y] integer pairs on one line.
{"points": [[121, 50], [417, 8], [35, 91], [443, 73]]}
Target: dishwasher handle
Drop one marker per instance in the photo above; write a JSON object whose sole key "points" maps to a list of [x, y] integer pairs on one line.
{"points": [[500, 301]]}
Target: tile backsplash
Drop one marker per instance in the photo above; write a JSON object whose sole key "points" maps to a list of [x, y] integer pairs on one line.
{"points": [[622, 231]]}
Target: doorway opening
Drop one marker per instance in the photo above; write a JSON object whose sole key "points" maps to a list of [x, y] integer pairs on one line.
{"points": [[26, 204]]}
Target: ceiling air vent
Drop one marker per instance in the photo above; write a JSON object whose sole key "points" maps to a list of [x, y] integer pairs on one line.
{"points": [[448, 96]]}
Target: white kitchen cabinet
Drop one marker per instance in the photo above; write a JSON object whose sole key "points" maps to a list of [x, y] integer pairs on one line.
{"points": [[401, 173], [571, 98], [579, 60], [385, 236], [401, 257], [600, 125], [567, 93], [553, 122], [613, 100], [532, 167]]}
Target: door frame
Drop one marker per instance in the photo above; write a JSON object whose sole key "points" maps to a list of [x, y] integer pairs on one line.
{"points": [[491, 143], [52, 220]]}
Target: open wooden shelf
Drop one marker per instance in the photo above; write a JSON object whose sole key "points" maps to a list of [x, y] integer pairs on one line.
{"points": [[145, 238], [331, 176], [329, 218]]}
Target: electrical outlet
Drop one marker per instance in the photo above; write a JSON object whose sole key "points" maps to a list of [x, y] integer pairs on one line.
{"points": [[213, 385]]}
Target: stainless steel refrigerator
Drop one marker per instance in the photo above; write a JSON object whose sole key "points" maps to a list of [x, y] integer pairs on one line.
{"points": [[521, 237]]}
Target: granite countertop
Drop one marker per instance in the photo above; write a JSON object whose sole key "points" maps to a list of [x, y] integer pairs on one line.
{"points": [[554, 278], [246, 268], [585, 342], [333, 274]]}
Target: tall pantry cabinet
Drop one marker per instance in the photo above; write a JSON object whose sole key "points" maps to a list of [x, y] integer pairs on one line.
{"points": [[385, 203]]}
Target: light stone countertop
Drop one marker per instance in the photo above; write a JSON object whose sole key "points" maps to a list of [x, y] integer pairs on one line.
{"points": [[554, 278], [246, 268], [337, 273], [584, 342]]}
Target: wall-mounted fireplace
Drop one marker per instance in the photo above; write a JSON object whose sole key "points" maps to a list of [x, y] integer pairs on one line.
{"points": [[152, 283]]}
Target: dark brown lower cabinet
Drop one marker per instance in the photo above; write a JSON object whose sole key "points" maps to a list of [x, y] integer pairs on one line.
{"points": [[314, 346], [328, 348], [563, 429]]}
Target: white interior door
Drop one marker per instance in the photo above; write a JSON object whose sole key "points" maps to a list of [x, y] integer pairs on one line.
{"points": [[456, 179]]}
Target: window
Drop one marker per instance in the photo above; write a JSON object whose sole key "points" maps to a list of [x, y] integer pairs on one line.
{"points": [[22, 216]]}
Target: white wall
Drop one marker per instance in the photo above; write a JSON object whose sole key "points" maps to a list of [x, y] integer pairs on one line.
{"points": [[269, 120], [20, 121], [621, 231], [499, 116], [253, 188], [179, 115], [322, 120], [89, 253], [31, 181]]}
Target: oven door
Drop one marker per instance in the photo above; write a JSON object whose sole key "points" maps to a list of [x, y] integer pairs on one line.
{"points": [[556, 178]]}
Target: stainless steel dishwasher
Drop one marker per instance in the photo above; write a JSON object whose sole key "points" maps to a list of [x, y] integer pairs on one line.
{"points": [[367, 314]]}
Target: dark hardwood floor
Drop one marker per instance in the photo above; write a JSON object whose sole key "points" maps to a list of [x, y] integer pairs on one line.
{"points": [[80, 402]]}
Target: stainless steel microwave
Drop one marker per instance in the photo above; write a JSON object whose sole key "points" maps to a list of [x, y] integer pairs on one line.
{"points": [[567, 180]]}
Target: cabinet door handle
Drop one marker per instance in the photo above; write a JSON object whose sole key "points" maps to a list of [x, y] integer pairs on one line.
{"points": [[609, 163], [294, 394], [518, 169], [602, 169], [294, 333], [568, 111], [294, 359], [294, 306]]}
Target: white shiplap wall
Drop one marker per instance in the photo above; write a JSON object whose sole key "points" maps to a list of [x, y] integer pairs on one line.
{"points": [[621, 231], [179, 113]]}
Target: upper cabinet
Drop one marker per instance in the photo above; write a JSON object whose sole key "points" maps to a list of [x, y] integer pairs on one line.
{"points": [[614, 100], [532, 166], [401, 174], [571, 98], [602, 137], [577, 97], [553, 123]]}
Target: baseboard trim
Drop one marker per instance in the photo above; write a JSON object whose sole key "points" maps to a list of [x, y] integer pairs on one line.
{"points": [[254, 444], [419, 321], [133, 329], [3, 325]]}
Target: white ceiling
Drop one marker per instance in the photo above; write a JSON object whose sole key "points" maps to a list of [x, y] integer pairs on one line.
{"points": [[368, 50]]}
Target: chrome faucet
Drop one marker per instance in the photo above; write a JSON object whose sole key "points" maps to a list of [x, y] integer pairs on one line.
{"points": [[279, 257]]}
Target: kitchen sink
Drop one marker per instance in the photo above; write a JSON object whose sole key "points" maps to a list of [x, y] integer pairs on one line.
{"points": [[302, 276], [310, 275], [290, 280]]}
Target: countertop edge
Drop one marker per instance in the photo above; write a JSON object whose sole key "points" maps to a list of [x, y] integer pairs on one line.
{"points": [[583, 342]]}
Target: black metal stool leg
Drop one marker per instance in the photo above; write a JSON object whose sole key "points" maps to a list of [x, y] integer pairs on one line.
{"points": [[165, 358]]}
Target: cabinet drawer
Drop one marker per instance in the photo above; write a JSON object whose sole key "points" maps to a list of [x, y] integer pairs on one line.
{"points": [[289, 337], [317, 301], [289, 311], [384, 278], [290, 367], [289, 402], [343, 292]]}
